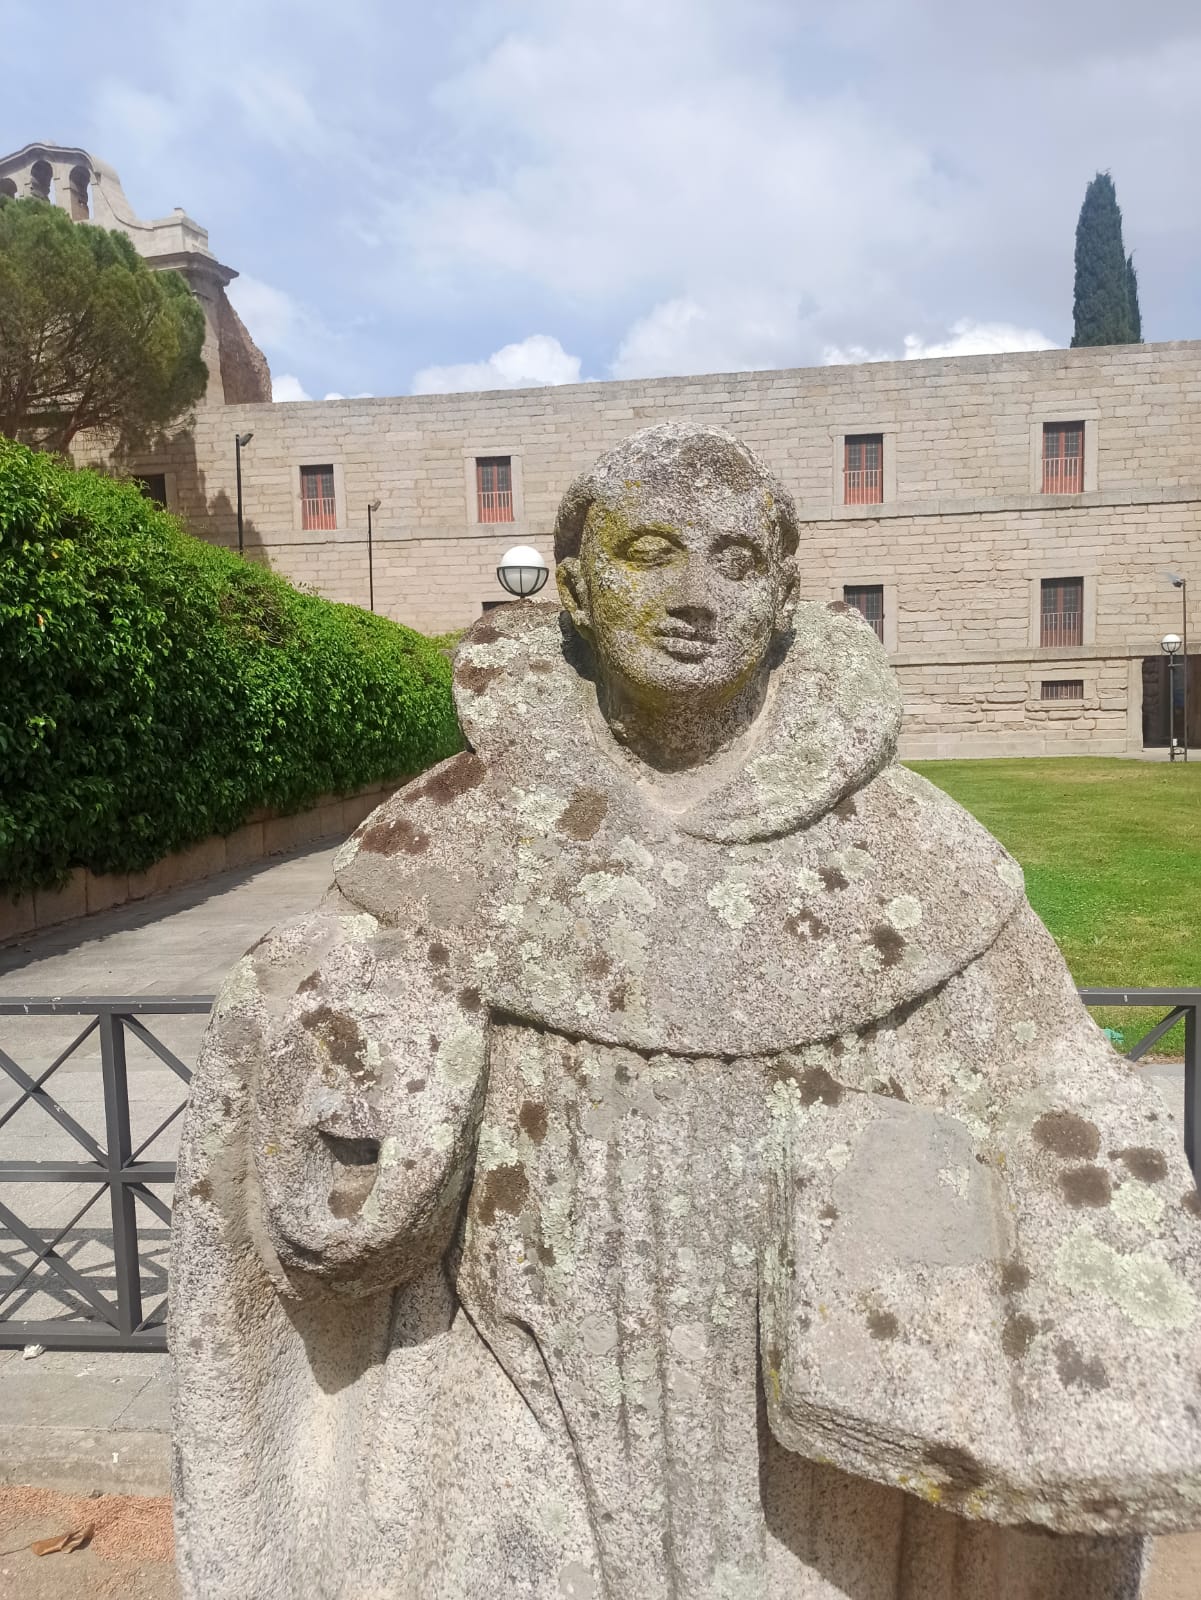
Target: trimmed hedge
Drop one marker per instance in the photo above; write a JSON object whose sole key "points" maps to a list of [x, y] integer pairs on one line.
{"points": [[155, 690]]}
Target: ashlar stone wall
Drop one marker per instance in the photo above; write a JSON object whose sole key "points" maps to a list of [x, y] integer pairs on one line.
{"points": [[960, 543]]}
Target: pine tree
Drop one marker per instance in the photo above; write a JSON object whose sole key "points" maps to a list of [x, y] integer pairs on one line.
{"points": [[1106, 305], [91, 339]]}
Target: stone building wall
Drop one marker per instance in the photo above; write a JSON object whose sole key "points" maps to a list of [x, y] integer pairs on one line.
{"points": [[961, 542]]}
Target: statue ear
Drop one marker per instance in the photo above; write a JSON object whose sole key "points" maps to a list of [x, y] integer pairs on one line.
{"points": [[786, 603], [573, 591]]}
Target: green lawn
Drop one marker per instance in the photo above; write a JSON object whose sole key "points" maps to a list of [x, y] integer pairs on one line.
{"points": [[1112, 855]]}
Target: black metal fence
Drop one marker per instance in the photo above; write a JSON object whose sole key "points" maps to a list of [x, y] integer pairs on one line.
{"points": [[94, 1320], [1183, 1007]]}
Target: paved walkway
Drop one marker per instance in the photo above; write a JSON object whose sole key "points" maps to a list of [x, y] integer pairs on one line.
{"points": [[78, 1420]]}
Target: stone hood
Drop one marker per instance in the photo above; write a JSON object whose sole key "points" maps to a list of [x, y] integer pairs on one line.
{"points": [[809, 887]]}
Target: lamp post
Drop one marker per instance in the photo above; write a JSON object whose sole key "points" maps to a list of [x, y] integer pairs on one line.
{"points": [[522, 571], [1180, 583], [1170, 645], [372, 506], [241, 440]]}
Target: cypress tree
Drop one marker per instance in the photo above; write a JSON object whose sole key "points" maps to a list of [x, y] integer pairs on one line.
{"points": [[1106, 303], [1136, 316]]}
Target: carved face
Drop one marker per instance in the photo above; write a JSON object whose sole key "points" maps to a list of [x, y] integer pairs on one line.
{"points": [[680, 603]]}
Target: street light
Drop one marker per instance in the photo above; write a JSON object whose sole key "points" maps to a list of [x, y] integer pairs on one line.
{"points": [[372, 505], [1180, 583], [241, 440], [522, 571], [1170, 645]]}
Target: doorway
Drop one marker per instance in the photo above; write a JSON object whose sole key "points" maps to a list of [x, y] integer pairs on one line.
{"points": [[1156, 719]]}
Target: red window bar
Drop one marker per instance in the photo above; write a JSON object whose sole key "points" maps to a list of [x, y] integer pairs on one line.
{"points": [[1062, 689], [317, 508], [863, 474], [1062, 612], [494, 488], [868, 600], [1063, 458]]}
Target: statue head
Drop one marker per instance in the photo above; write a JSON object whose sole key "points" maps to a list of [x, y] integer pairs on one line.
{"points": [[675, 563]]}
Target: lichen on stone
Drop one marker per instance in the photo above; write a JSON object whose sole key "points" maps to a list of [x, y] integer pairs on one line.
{"points": [[904, 912], [731, 899], [1141, 1285]]}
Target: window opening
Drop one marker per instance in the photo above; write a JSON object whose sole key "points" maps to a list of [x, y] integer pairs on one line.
{"points": [[1062, 622], [868, 600], [153, 485], [1063, 458], [863, 469], [1063, 689], [317, 509], [494, 488]]}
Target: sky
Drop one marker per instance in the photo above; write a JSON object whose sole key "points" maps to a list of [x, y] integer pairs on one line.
{"points": [[513, 192]]}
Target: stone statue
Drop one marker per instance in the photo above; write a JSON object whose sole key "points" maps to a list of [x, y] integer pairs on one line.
{"points": [[672, 1161]]}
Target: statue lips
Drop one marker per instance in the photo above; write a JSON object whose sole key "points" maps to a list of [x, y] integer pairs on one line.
{"points": [[682, 641]]}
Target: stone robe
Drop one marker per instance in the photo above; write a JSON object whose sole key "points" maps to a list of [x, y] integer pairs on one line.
{"points": [[733, 1202]]}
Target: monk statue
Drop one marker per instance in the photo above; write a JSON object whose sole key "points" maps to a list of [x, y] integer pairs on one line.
{"points": [[672, 1161]]}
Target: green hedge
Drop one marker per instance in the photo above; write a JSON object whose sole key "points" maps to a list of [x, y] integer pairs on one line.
{"points": [[155, 690]]}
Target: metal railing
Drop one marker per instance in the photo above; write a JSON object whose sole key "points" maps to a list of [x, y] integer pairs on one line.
{"points": [[495, 505], [863, 486], [1063, 474], [1061, 628], [1184, 1007], [119, 1323], [318, 514], [95, 1320]]}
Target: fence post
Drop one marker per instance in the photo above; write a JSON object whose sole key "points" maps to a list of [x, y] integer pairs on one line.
{"points": [[1192, 1085], [119, 1151]]}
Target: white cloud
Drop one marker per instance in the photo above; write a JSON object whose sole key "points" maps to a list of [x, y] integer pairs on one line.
{"points": [[970, 338], [536, 360], [285, 386], [966, 338], [676, 186], [722, 332], [274, 317]]}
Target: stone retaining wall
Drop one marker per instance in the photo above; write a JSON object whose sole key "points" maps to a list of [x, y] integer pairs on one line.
{"points": [[265, 834]]}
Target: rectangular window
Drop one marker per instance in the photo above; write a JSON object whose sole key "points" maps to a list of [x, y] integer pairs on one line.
{"points": [[494, 488], [1062, 612], [1063, 457], [154, 486], [1063, 689], [868, 600], [317, 509], [863, 469]]}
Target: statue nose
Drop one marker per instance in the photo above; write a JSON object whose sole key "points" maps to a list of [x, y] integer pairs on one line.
{"points": [[691, 594]]}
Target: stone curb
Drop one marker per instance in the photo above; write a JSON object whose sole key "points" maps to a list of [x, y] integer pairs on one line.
{"points": [[265, 834], [80, 1460]]}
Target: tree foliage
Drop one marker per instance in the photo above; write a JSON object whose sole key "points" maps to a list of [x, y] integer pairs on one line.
{"points": [[1106, 309], [157, 689], [90, 336]]}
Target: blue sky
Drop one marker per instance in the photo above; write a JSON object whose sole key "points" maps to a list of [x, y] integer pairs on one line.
{"points": [[473, 195]]}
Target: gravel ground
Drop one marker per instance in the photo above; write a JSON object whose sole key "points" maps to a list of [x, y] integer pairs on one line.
{"points": [[131, 1555]]}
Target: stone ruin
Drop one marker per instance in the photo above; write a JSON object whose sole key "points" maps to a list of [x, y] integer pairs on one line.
{"points": [[672, 1160]]}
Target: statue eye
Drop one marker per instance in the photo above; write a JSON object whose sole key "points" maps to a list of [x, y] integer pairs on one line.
{"points": [[649, 550], [737, 560]]}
